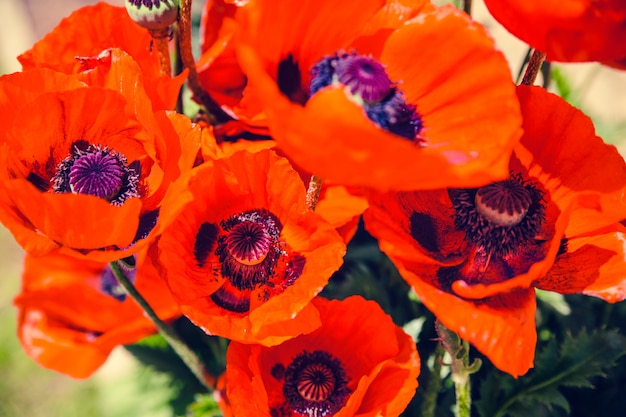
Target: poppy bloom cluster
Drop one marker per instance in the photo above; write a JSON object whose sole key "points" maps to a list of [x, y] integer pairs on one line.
{"points": [[478, 191]]}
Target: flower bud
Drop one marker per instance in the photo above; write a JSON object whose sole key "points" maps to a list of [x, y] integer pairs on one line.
{"points": [[153, 15]]}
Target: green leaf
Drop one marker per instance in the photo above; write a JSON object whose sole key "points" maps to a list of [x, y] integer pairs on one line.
{"points": [[575, 363], [563, 86], [204, 405]]}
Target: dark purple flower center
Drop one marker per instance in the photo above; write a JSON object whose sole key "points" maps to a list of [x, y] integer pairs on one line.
{"points": [[365, 77], [371, 87], [500, 217], [99, 172], [248, 242], [246, 250], [315, 384]]}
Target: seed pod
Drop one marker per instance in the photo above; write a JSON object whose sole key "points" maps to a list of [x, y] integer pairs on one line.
{"points": [[154, 15]]}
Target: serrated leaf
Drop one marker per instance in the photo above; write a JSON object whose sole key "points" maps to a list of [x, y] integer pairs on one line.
{"points": [[575, 363]]}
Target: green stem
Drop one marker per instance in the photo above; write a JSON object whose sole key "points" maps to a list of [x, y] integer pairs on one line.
{"points": [[462, 386], [187, 355], [461, 368], [429, 397]]}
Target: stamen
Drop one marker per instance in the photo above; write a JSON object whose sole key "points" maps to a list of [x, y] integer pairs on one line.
{"points": [[503, 203], [396, 116], [248, 242], [502, 217]]}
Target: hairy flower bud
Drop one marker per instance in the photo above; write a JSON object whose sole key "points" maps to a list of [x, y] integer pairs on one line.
{"points": [[153, 15]]}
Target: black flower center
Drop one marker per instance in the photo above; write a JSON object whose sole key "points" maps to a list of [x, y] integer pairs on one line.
{"points": [[501, 217], [248, 242], [371, 87], [315, 384], [99, 172], [250, 249]]}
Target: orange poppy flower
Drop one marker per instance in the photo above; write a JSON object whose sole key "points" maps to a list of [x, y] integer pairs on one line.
{"points": [[66, 49], [72, 312], [474, 255], [327, 373], [221, 398], [396, 91], [89, 182], [575, 31], [245, 256]]}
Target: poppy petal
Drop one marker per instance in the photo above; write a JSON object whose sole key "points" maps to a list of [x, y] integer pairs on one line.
{"points": [[592, 265]]}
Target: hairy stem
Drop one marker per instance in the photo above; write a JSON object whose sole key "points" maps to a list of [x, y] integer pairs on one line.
{"points": [[429, 397], [534, 65], [182, 350], [461, 369], [162, 38]]}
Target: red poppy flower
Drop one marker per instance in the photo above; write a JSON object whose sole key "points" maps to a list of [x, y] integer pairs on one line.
{"points": [[245, 255], [575, 31], [218, 70], [338, 370], [90, 182], [395, 92], [80, 39], [72, 312], [474, 255]]}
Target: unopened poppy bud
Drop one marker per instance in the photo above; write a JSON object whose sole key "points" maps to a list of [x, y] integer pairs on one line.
{"points": [[153, 15]]}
